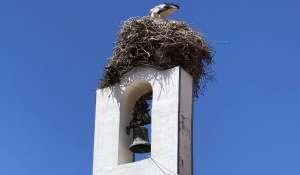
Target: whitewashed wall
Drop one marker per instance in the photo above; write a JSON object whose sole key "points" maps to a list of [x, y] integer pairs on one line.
{"points": [[171, 130]]}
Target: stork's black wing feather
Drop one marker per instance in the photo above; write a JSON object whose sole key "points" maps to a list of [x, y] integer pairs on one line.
{"points": [[172, 4]]}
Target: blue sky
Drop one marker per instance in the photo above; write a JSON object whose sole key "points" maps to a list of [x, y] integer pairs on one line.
{"points": [[52, 54]]}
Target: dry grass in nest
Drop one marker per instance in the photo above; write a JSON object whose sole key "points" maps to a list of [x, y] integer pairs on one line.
{"points": [[144, 41]]}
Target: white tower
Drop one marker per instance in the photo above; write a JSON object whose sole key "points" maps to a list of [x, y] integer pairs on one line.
{"points": [[171, 124]]}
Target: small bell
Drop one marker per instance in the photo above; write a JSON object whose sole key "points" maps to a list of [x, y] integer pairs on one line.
{"points": [[140, 142]]}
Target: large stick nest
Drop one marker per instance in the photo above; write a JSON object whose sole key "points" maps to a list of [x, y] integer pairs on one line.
{"points": [[160, 44]]}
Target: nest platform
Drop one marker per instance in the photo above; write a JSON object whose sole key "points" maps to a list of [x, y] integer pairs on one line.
{"points": [[159, 44]]}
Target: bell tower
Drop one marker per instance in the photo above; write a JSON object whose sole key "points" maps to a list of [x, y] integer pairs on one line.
{"points": [[117, 137]]}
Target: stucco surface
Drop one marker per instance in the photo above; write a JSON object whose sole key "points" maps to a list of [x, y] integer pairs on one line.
{"points": [[171, 124]]}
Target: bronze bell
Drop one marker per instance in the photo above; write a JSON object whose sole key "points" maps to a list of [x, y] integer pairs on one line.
{"points": [[140, 142]]}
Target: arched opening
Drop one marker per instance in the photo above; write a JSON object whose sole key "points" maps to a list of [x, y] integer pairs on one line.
{"points": [[135, 123]]}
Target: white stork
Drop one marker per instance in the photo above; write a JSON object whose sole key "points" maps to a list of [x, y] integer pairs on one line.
{"points": [[164, 10]]}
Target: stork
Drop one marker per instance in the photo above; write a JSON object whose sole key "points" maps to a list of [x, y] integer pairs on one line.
{"points": [[164, 10]]}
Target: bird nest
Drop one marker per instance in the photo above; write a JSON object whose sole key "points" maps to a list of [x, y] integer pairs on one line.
{"points": [[160, 44]]}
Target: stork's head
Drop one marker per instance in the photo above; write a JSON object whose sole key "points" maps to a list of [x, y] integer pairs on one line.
{"points": [[164, 10]]}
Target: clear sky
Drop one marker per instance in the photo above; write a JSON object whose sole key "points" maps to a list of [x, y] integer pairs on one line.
{"points": [[52, 53]]}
